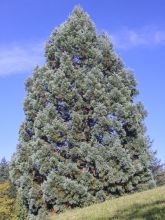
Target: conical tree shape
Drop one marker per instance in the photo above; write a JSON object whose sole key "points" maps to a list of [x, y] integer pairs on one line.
{"points": [[83, 139]]}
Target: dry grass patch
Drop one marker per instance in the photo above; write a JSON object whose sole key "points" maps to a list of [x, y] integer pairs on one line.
{"points": [[148, 205]]}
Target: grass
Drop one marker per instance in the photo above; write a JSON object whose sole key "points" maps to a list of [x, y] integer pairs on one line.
{"points": [[148, 205]]}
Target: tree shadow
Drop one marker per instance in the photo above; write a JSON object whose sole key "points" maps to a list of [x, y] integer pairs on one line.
{"points": [[152, 211]]}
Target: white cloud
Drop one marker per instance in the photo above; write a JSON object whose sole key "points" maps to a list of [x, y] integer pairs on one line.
{"points": [[20, 58], [148, 36], [160, 37]]}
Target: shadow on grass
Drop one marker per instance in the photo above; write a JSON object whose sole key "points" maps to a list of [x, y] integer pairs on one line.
{"points": [[153, 211]]}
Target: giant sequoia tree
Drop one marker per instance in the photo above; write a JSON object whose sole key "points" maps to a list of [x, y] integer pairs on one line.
{"points": [[83, 138]]}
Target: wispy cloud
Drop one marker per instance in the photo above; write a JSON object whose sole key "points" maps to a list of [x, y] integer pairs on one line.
{"points": [[148, 36], [20, 58]]}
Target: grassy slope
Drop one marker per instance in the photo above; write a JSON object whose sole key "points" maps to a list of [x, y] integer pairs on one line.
{"points": [[148, 205]]}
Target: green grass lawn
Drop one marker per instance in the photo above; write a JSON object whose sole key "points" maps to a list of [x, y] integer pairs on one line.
{"points": [[148, 205]]}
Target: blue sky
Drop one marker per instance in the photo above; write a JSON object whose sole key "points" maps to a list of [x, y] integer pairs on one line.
{"points": [[137, 29]]}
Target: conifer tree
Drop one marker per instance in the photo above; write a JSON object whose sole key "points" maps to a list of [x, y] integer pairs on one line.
{"points": [[157, 169], [83, 138], [4, 170]]}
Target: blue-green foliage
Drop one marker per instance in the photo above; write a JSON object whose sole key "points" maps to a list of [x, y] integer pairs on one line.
{"points": [[4, 170]]}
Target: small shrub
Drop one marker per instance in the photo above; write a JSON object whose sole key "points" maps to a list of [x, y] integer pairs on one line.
{"points": [[6, 202]]}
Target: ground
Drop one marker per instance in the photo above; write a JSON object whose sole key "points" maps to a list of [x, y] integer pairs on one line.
{"points": [[148, 205]]}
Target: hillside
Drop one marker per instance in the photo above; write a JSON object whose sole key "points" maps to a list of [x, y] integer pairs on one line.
{"points": [[148, 205]]}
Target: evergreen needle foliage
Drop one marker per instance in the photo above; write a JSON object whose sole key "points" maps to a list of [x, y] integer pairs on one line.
{"points": [[4, 170], [157, 169], [83, 138]]}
